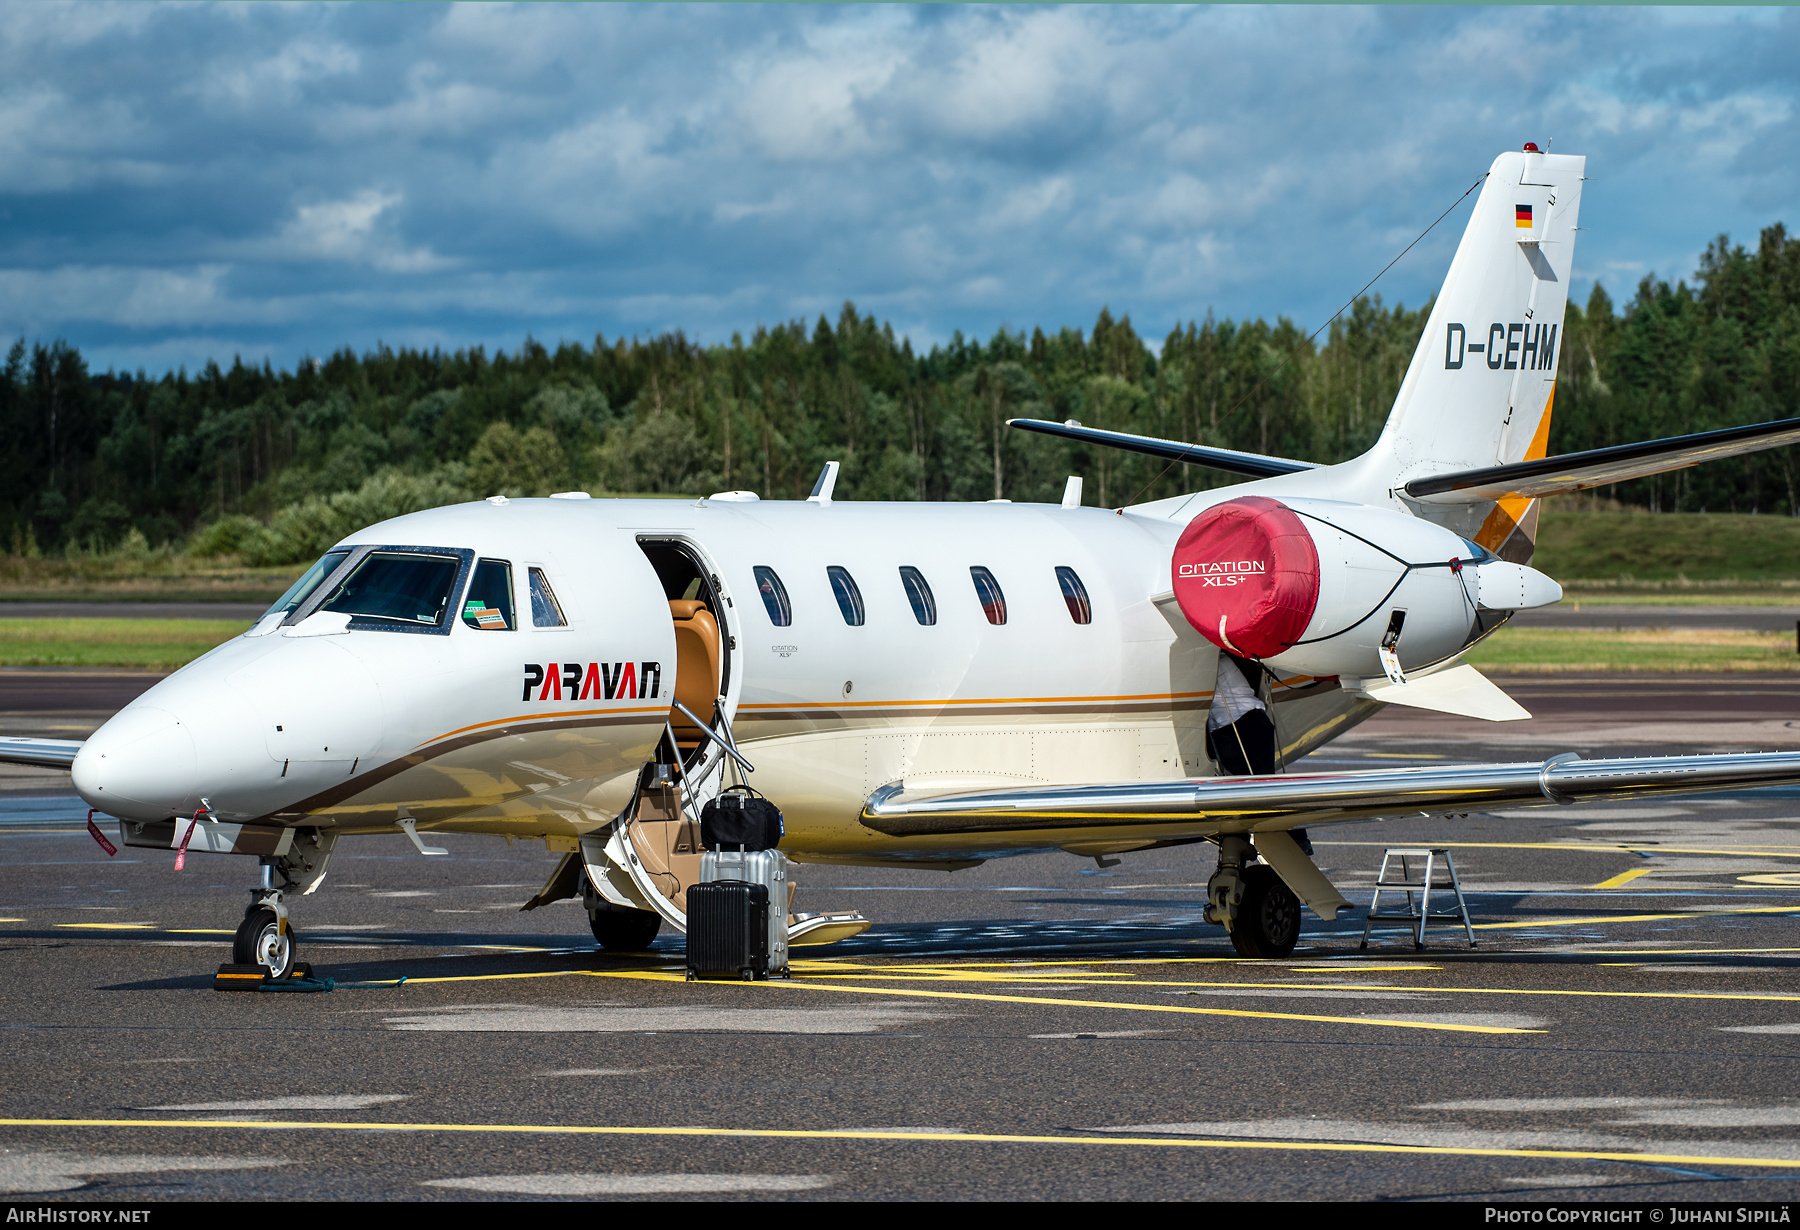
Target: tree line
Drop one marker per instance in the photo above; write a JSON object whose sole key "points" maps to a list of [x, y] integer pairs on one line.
{"points": [[272, 465]]}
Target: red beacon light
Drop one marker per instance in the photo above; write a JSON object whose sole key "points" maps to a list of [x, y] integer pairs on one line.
{"points": [[1531, 147]]}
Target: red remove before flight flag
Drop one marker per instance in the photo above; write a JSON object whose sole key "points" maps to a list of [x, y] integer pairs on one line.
{"points": [[181, 850], [97, 835], [1246, 575]]}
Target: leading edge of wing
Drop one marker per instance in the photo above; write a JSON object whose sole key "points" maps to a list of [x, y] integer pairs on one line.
{"points": [[42, 753], [1243, 803], [1599, 466], [1255, 465]]}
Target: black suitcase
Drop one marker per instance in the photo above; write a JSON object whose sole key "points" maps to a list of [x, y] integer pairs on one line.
{"points": [[728, 930]]}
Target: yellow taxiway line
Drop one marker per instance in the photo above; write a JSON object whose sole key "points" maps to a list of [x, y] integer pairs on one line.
{"points": [[799, 984], [828, 964], [1616, 918], [1431, 990], [972, 1138], [1623, 878], [109, 926], [1597, 848], [1368, 967]]}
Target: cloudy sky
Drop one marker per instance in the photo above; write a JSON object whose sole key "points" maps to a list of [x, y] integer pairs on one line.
{"points": [[195, 181]]}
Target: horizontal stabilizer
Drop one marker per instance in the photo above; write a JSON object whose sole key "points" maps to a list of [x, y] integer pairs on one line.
{"points": [[45, 753], [1461, 690], [1240, 804], [1254, 464], [1599, 466]]}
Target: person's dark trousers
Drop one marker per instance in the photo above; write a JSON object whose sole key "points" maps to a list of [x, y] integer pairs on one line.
{"points": [[1246, 746]]}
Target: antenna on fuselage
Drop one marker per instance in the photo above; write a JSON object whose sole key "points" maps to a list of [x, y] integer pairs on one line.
{"points": [[821, 492], [1072, 492]]}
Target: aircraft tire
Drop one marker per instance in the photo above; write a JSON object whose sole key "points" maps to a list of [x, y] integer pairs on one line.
{"points": [[260, 941], [1268, 920], [621, 930]]}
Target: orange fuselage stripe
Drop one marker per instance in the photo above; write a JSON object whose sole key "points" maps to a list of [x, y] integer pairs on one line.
{"points": [[840, 706], [538, 717]]}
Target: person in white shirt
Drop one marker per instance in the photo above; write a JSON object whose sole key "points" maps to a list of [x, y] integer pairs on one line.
{"points": [[1239, 734]]}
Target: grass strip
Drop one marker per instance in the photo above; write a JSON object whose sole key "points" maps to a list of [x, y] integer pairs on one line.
{"points": [[1635, 650], [152, 644], [164, 644]]}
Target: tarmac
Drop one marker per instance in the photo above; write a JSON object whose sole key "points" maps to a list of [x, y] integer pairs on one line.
{"points": [[1626, 1027]]}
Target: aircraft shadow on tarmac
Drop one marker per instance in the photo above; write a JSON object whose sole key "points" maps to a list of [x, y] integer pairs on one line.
{"points": [[448, 956]]}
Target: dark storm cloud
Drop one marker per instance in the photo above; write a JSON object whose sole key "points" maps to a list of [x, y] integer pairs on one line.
{"points": [[185, 182]]}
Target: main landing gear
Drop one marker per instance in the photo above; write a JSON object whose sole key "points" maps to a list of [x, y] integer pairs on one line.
{"points": [[622, 930], [266, 936], [616, 928], [1261, 914]]}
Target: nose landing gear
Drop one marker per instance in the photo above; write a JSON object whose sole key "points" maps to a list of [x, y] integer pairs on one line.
{"points": [[266, 936]]}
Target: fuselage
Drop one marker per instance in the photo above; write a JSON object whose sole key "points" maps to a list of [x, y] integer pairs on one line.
{"points": [[860, 644]]}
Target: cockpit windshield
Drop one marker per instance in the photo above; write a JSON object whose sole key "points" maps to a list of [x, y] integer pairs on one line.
{"points": [[397, 587], [309, 580]]}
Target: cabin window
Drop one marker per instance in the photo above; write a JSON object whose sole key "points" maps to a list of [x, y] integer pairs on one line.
{"points": [[546, 611], [488, 604], [924, 606], [397, 588], [774, 596], [309, 580], [849, 598], [993, 602], [1075, 594]]}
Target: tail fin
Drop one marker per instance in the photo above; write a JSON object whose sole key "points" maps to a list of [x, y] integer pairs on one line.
{"points": [[1480, 387]]}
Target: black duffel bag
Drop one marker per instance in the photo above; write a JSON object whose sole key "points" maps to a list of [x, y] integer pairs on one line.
{"points": [[740, 819]]}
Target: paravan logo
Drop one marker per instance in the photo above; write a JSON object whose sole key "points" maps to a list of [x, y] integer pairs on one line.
{"points": [[597, 681]]}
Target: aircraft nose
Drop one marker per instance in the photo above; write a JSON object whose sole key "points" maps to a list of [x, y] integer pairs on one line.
{"points": [[140, 765]]}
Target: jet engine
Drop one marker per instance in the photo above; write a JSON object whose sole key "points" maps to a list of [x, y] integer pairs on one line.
{"points": [[1324, 588]]}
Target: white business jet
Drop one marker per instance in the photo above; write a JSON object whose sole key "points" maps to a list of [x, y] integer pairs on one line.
{"points": [[916, 685]]}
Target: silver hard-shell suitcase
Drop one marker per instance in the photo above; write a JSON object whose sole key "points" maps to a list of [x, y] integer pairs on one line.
{"points": [[765, 867]]}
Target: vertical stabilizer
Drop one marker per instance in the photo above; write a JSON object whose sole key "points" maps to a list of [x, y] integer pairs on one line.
{"points": [[1480, 387]]}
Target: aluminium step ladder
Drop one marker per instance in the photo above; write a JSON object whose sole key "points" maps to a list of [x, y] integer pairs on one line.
{"points": [[1417, 918]]}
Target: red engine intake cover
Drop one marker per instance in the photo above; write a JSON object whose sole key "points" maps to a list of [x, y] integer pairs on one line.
{"points": [[1247, 576]]}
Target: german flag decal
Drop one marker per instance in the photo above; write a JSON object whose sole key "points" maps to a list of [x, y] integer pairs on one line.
{"points": [[1522, 216]]}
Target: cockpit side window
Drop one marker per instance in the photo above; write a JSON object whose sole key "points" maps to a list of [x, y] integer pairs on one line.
{"points": [[399, 588], [489, 602], [309, 580], [774, 596], [546, 611]]}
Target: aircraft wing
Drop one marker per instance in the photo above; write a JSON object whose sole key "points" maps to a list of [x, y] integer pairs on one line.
{"points": [[1599, 466], [1241, 804], [44, 753], [1254, 464]]}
